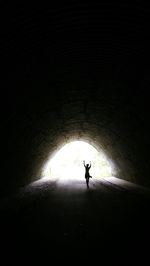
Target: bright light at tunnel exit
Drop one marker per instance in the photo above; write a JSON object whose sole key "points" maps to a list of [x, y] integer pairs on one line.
{"points": [[68, 162]]}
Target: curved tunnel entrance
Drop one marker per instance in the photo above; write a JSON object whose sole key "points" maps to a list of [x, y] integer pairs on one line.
{"points": [[68, 162]]}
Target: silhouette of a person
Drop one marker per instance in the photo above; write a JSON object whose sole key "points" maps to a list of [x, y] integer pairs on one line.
{"points": [[87, 174]]}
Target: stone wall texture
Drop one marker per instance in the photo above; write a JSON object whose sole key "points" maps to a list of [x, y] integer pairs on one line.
{"points": [[74, 72]]}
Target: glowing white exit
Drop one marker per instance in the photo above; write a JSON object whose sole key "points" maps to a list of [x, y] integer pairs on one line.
{"points": [[68, 162]]}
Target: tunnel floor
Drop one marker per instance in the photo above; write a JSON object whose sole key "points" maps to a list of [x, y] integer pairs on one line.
{"points": [[61, 219]]}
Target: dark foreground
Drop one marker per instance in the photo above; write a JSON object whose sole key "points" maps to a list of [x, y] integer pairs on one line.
{"points": [[64, 222]]}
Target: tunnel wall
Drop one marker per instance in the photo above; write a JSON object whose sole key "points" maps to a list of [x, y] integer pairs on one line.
{"points": [[103, 113], [62, 81]]}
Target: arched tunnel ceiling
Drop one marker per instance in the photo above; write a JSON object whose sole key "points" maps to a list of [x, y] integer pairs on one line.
{"points": [[75, 71]]}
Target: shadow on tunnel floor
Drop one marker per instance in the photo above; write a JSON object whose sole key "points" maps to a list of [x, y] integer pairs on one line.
{"points": [[95, 224]]}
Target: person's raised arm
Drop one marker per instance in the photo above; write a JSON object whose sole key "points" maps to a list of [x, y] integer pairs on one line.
{"points": [[90, 165], [84, 163]]}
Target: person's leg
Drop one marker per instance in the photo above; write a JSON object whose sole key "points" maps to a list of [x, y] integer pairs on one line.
{"points": [[87, 182]]}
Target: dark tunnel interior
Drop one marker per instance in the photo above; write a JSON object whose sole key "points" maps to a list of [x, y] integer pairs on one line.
{"points": [[74, 71]]}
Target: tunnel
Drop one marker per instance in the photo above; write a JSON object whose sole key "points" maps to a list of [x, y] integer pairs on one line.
{"points": [[71, 72]]}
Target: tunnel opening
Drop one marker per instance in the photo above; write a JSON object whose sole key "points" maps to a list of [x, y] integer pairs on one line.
{"points": [[67, 162]]}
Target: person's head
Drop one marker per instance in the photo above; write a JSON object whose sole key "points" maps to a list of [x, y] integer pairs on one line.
{"points": [[87, 164]]}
